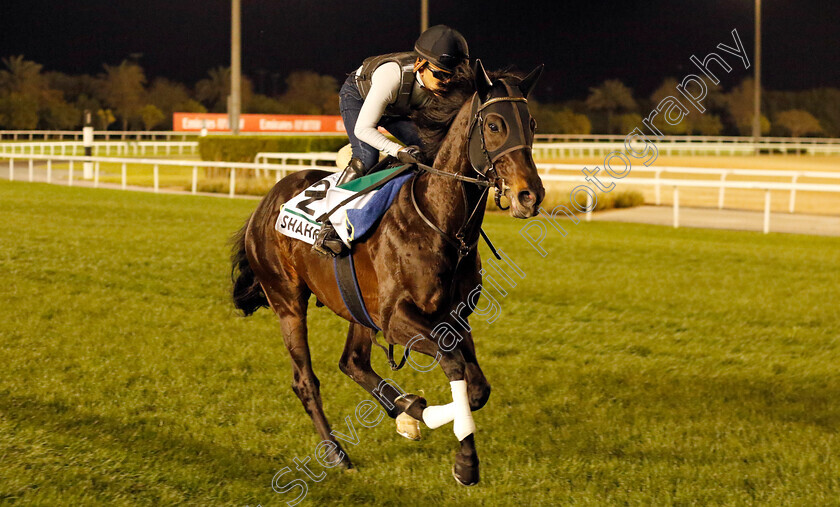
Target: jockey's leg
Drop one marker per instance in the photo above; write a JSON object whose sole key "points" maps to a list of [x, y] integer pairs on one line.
{"points": [[364, 156], [350, 104], [327, 242], [355, 169]]}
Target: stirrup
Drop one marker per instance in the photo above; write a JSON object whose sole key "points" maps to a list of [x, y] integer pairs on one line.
{"points": [[327, 243]]}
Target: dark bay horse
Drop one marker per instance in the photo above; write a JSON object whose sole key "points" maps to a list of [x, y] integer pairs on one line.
{"points": [[415, 267]]}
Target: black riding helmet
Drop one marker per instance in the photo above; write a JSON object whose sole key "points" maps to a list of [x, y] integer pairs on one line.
{"points": [[444, 47]]}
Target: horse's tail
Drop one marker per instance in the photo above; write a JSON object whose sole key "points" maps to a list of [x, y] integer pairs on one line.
{"points": [[248, 294]]}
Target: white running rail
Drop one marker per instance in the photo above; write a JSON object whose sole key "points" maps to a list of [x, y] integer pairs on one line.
{"points": [[549, 172], [100, 148]]}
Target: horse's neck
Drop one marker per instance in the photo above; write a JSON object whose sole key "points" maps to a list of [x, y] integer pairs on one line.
{"points": [[443, 196]]}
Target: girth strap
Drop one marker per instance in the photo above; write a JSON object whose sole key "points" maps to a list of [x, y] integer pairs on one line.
{"points": [[351, 295], [348, 287]]}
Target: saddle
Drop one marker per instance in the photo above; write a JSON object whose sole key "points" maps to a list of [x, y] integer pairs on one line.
{"points": [[354, 208]]}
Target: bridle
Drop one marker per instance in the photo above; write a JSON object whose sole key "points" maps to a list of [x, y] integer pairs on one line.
{"points": [[483, 162], [517, 138]]}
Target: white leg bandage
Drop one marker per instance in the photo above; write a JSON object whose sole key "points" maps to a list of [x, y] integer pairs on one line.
{"points": [[464, 425], [438, 415], [459, 411]]}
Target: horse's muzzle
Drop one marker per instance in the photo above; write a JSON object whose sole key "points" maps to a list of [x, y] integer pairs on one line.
{"points": [[525, 202]]}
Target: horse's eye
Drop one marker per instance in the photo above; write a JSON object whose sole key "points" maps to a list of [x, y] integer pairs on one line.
{"points": [[533, 124], [493, 127]]}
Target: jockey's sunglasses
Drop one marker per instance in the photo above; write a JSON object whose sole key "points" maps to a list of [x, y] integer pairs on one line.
{"points": [[440, 75]]}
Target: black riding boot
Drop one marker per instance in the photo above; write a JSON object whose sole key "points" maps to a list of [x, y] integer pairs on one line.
{"points": [[328, 242], [353, 170]]}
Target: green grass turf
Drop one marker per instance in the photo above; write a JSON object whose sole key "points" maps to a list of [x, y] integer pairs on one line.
{"points": [[633, 365]]}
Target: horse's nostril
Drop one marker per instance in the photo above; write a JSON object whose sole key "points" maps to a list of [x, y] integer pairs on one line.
{"points": [[526, 198]]}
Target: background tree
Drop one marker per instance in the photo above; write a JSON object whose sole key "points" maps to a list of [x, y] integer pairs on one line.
{"points": [[56, 114], [262, 104], [123, 90], [798, 122], [625, 123], [822, 103], [21, 76], [192, 106], [167, 97], [569, 122], [612, 96], [556, 119], [151, 116], [213, 91], [310, 93], [740, 102], [19, 111], [706, 124], [105, 117], [669, 88], [21, 89]]}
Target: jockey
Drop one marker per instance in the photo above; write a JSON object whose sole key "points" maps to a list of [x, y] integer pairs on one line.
{"points": [[382, 93]]}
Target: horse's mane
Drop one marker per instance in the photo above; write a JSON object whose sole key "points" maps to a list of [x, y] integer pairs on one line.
{"points": [[434, 120]]}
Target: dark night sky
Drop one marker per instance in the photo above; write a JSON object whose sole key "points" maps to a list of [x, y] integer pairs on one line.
{"points": [[581, 43]]}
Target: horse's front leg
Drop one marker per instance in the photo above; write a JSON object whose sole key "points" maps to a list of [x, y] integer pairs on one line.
{"points": [[459, 411], [450, 354], [355, 362]]}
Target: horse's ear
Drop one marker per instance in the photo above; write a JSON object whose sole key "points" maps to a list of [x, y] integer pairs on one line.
{"points": [[482, 80], [529, 81]]}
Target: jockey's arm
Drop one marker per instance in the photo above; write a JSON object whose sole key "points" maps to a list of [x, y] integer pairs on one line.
{"points": [[384, 87]]}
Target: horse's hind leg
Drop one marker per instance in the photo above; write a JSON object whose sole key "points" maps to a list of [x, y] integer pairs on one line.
{"points": [[305, 384]]}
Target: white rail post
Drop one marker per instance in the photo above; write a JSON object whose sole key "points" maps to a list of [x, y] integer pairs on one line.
{"points": [[31, 171], [793, 192], [123, 175], [676, 207], [589, 207], [194, 180], [722, 190], [70, 175], [658, 188], [232, 181], [12, 167], [766, 211], [157, 177], [87, 142], [49, 171], [96, 175]]}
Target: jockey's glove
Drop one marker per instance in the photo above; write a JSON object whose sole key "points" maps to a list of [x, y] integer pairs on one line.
{"points": [[409, 155]]}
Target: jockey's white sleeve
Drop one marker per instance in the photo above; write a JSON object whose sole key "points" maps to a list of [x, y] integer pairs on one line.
{"points": [[384, 88]]}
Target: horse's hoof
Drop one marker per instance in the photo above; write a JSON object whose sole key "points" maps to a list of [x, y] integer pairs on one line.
{"points": [[467, 477], [465, 471], [408, 426], [346, 464]]}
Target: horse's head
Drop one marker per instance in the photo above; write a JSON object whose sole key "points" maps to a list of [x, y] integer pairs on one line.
{"points": [[501, 138]]}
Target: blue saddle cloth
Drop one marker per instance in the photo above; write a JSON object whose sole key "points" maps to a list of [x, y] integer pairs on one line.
{"points": [[362, 220]]}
